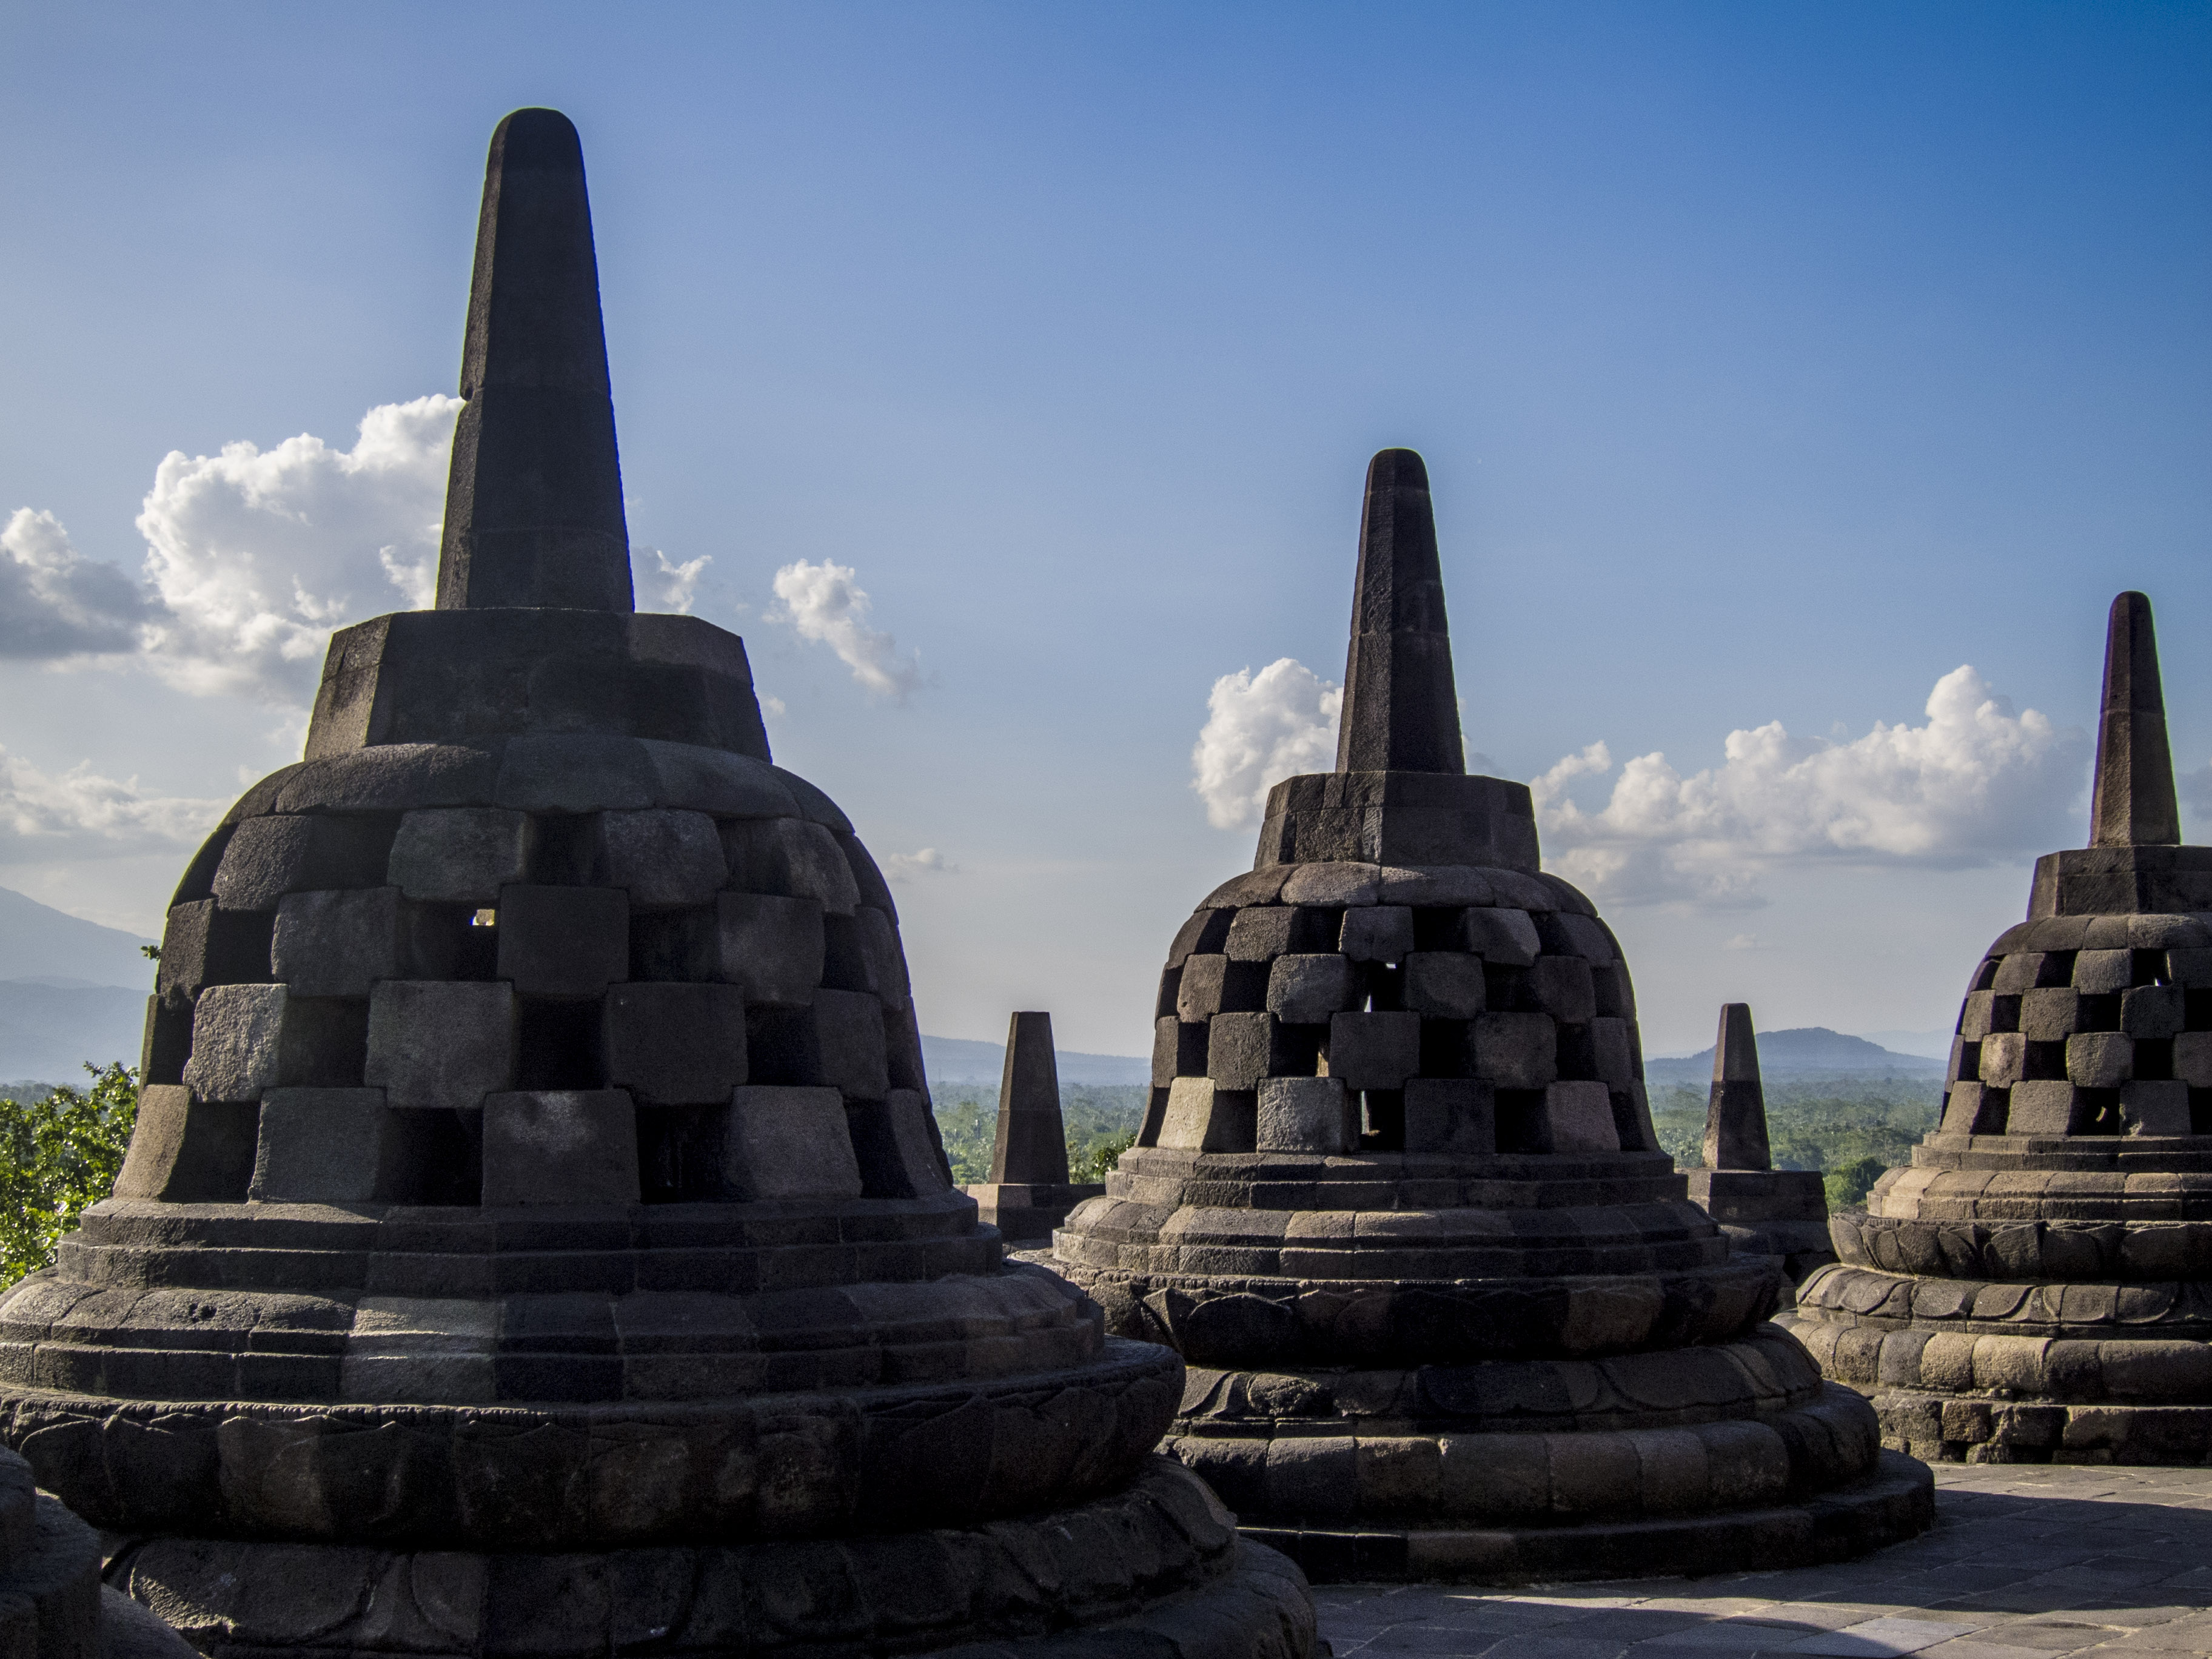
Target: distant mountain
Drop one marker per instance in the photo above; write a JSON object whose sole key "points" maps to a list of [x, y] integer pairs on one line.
{"points": [[38, 942], [958, 1059], [1934, 1045], [1804, 1049], [50, 1031]]}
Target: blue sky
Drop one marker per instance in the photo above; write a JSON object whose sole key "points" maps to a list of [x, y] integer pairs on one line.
{"points": [[1771, 364]]}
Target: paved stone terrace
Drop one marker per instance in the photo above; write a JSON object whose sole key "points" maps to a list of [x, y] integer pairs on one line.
{"points": [[2025, 1562]]}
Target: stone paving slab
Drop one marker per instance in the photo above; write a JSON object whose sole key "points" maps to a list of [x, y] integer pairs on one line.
{"points": [[2025, 1562]]}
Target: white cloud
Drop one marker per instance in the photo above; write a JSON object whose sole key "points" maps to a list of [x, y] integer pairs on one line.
{"points": [[667, 586], [1260, 729], [54, 602], [1975, 784], [257, 556], [824, 603], [81, 814], [905, 866]]}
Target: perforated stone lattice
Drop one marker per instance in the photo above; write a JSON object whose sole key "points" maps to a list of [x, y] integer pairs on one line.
{"points": [[1350, 1006]]}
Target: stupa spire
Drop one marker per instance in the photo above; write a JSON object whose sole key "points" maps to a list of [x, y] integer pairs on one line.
{"points": [[1735, 1111], [534, 507], [2134, 804], [1400, 707]]}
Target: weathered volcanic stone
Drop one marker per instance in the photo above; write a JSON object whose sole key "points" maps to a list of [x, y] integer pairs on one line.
{"points": [[2031, 1286], [1398, 1199], [1029, 1193], [1780, 1214], [536, 1242]]}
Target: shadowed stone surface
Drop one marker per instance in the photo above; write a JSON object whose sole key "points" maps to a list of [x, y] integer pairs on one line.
{"points": [[2037, 1285], [1781, 1214], [1029, 1193], [536, 1241], [1398, 1201]]}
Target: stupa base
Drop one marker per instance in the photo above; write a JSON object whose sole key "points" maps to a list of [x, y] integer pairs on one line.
{"points": [[1160, 1562], [1028, 1212], [1954, 1429], [1895, 1503]]}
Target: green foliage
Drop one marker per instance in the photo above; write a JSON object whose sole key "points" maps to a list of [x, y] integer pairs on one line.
{"points": [[1100, 1122], [1841, 1125], [62, 1151], [1849, 1186]]}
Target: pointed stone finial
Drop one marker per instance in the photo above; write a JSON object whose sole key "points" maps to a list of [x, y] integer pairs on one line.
{"points": [[1400, 706], [534, 506], [2134, 804], [1735, 1111], [1032, 1146]]}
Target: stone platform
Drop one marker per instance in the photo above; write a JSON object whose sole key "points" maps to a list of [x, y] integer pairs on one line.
{"points": [[2021, 1564]]}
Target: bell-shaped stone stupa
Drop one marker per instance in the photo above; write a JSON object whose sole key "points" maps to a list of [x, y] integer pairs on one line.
{"points": [[1763, 1211], [535, 1239], [2037, 1283], [1398, 1199]]}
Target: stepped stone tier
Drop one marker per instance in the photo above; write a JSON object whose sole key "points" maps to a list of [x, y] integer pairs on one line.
{"points": [[1398, 1200], [52, 1604], [1763, 1210], [1029, 1193], [535, 1241], [2037, 1283]]}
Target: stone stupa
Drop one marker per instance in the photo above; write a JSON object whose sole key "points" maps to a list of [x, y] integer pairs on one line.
{"points": [[535, 1240], [1763, 1210], [1399, 1202], [2037, 1283], [1029, 1193]]}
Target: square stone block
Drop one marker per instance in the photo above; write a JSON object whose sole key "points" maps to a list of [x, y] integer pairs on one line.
{"points": [[1515, 1051], [1562, 987], [1374, 1050], [2103, 973], [441, 1043], [249, 1038], [461, 855], [1242, 1049], [1578, 1117], [790, 858], [2099, 1060], [2047, 1109], [2050, 1014], [2153, 1011], [1570, 935], [560, 1146], [2004, 1059], [1457, 1116], [269, 857], [2191, 966], [1260, 932], [2192, 1058], [1202, 1118], [184, 1150], [787, 1143], [771, 948], [885, 956], [339, 943], [1612, 991], [204, 945], [891, 1142], [1307, 1115], [330, 1146], [1215, 985], [1178, 1050], [1973, 1109], [1310, 990], [1613, 1051], [664, 858], [2019, 972], [2154, 1108], [563, 942], [1377, 932], [674, 1044], [1975, 1017], [837, 1041], [1443, 984], [1506, 938]]}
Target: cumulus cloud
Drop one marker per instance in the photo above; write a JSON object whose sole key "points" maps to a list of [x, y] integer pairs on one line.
{"points": [[905, 866], [1975, 784], [1260, 729], [665, 585], [824, 603], [54, 602], [256, 555], [79, 813]]}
